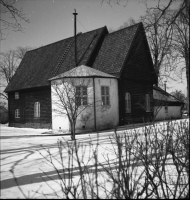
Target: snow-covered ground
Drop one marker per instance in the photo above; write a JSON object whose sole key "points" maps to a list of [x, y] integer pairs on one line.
{"points": [[24, 152], [12, 131]]}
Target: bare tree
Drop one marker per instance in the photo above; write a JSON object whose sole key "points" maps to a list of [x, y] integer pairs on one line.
{"points": [[161, 146], [21, 51], [169, 42], [8, 66], [71, 96], [151, 163], [9, 62], [3, 104], [178, 22], [159, 35], [115, 2], [130, 22], [181, 44], [167, 29], [10, 18], [178, 94], [178, 25], [163, 8], [8, 9]]}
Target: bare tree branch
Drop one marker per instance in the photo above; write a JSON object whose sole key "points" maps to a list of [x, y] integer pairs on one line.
{"points": [[8, 8]]}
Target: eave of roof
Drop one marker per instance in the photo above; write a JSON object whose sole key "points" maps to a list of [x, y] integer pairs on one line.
{"points": [[164, 96], [159, 103], [83, 72], [161, 90]]}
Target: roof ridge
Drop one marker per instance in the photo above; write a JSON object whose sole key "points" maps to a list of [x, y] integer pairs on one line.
{"points": [[80, 33], [137, 24], [101, 35], [63, 56], [94, 29], [94, 36]]}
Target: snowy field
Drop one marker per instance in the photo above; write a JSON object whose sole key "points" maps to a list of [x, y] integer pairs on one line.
{"points": [[20, 153], [24, 154]]}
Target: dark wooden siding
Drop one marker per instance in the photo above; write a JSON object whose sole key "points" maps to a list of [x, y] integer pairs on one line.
{"points": [[3, 115], [137, 79], [138, 90], [25, 103]]}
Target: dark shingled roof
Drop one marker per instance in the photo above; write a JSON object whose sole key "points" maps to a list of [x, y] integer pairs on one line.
{"points": [[160, 94], [41, 64], [114, 50]]}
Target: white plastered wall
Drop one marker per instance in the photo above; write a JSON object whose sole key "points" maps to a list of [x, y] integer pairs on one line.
{"points": [[85, 120], [59, 122], [107, 116], [174, 112]]}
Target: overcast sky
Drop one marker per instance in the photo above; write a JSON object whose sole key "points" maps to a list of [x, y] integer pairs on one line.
{"points": [[52, 20]]}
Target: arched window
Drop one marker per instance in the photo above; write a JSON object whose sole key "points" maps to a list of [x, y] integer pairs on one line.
{"points": [[127, 102], [37, 109], [147, 102], [17, 113], [16, 95]]}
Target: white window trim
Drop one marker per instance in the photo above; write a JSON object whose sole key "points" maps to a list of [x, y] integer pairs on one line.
{"points": [[37, 109], [147, 102], [127, 102], [105, 96], [16, 95], [17, 113]]}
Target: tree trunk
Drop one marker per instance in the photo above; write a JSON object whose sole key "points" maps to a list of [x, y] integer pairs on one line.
{"points": [[187, 76], [72, 130]]}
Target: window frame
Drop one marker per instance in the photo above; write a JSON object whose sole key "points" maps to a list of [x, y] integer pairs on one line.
{"points": [[17, 113], [16, 95], [105, 98], [81, 96], [37, 109], [127, 102], [147, 103]]}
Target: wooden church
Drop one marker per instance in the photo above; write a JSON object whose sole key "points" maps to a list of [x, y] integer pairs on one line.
{"points": [[123, 55]]}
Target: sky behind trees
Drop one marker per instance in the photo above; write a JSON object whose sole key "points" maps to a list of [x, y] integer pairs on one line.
{"points": [[52, 20]]}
